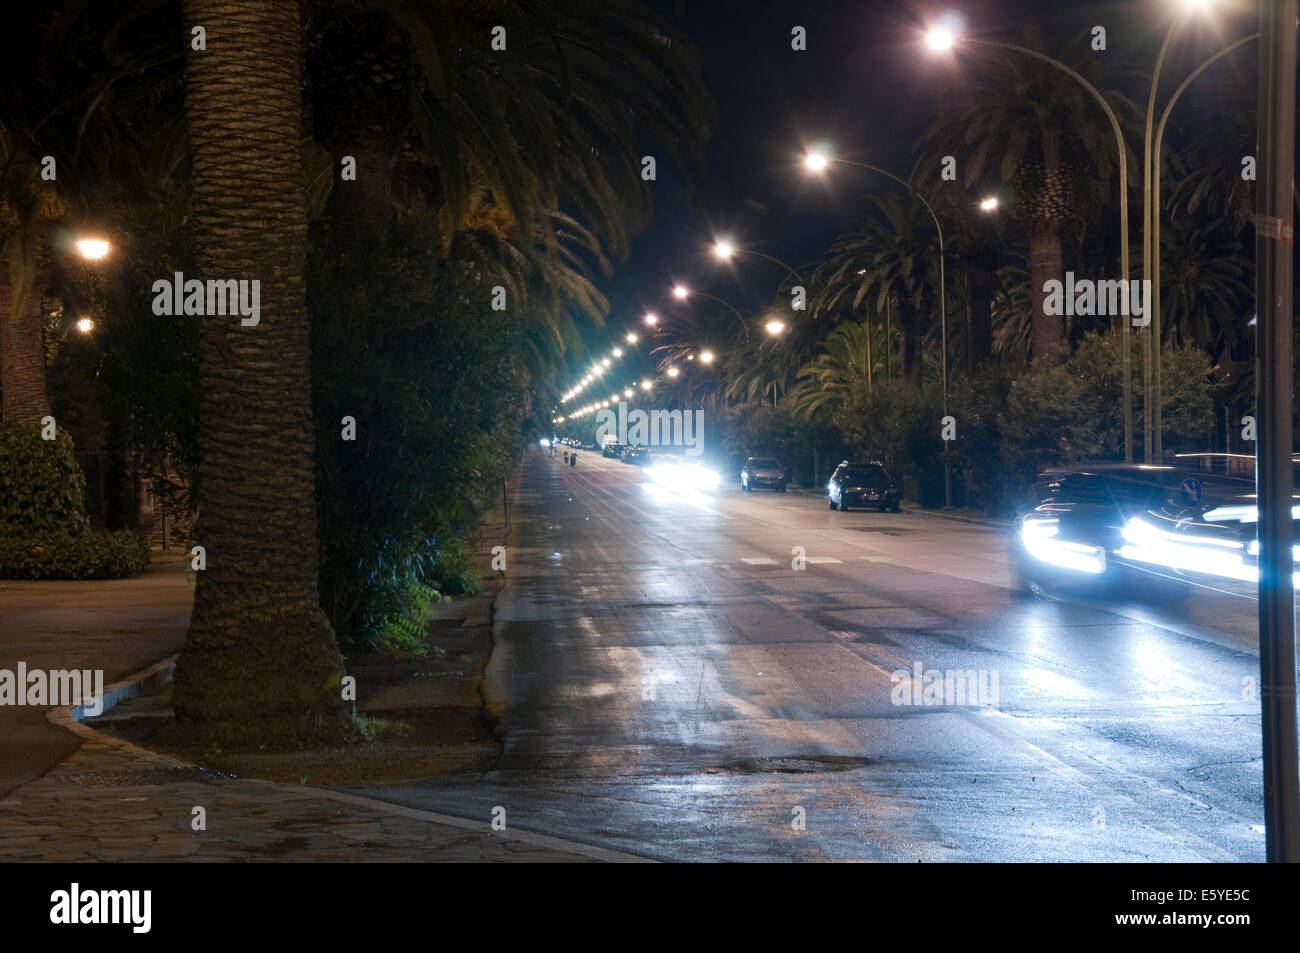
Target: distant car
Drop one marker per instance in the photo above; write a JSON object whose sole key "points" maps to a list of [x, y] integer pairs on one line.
{"points": [[638, 456], [862, 484], [612, 450], [762, 473]]}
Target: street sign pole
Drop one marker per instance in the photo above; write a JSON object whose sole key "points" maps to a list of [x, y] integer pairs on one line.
{"points": [[1274, 242]]}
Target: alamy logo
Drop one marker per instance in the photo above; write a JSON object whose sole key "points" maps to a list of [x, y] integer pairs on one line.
{"points": [[1100, 298], [179, 296], [55, 688], [75, 905], [936, 687], [656, 428]]}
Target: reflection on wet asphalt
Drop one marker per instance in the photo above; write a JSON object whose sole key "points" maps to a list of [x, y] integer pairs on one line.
{"points": [[669, 685]]}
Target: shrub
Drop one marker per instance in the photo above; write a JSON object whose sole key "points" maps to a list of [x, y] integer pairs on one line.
{"points": [[42, 489], [85, 555]]}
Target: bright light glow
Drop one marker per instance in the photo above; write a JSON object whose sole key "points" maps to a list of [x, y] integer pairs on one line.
{"points": [[816, 160], [1038, 539], [85, 325], [989, 204], [92, 248], [706, 357], [940, 39], [605, 361], [604, 403], [683, 476], [774, 326], [680, 292], [690, 357], [628, 392], [617, 352], [544, 442], [651, 318], [672, 372], [724, 249], [646, 385], [1214, 557], [631, 338]]}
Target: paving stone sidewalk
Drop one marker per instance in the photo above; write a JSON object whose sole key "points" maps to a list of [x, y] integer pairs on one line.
{"points": [[111, 800]]}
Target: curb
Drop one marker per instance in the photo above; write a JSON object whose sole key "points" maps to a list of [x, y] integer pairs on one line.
{"points": [[72, 718]]}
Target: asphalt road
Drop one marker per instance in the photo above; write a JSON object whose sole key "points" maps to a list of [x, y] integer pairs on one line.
{"points": [[669, 685]]}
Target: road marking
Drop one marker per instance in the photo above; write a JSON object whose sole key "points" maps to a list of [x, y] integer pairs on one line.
{"points": [[812, 560], [760, 561], [699, 562]]}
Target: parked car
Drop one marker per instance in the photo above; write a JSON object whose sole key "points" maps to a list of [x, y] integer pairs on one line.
{"points": [[638, 456], [612, 450], [762, 473], [862, 484]]}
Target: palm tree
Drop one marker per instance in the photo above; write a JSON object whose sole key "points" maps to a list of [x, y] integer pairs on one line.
{"points": [[841, 378], [1041, 133], [260, 662], [890, 262]]}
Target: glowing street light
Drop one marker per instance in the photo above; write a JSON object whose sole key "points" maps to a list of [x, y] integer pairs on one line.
{"points": [[989, 204], [706, 357], [92, 248], [628, 392], [672, 372], [774, 326], [681, 293], [940, 39], [646, 385], [816, 160], [617, 352], [605, 361], [85, 325], [631, 338], [651, 318], [723, 249]]}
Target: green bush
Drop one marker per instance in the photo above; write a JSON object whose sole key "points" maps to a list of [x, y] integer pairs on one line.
{"points": [[42, 489], [85, 555]]}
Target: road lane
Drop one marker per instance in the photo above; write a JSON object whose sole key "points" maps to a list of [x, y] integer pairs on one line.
{"points": [[667, 683]]}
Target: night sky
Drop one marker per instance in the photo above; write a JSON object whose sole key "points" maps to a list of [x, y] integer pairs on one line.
{"points": [[865, 85]]}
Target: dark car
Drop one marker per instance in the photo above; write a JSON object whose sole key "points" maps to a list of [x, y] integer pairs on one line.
{"points": [[638, 456], [863, 484], [762, 473], [1159, 527], [612, 450]]}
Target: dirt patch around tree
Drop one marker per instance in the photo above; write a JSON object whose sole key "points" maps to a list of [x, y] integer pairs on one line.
{"points": [[417, 715]]}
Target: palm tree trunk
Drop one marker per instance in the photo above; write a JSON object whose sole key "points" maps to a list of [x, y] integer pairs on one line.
{"points": [[361, 209], [260, 663], [22, 352], [979, 317], [1044, 266]]}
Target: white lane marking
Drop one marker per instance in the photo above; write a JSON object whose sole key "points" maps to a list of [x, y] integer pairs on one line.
{"points": [[699, 562], [813, 560], [760, 561]]}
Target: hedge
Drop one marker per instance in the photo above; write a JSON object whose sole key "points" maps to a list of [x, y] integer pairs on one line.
{"points": [[85, 555]]}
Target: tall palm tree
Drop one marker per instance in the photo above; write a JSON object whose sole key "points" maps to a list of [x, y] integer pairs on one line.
{"points": [[890, 262], [1042, 134], [260, 662]]}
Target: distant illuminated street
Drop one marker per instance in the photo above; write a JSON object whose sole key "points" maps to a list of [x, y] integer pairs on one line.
{"points": [[670, 686]]}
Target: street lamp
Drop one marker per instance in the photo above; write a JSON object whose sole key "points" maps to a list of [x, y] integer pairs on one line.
{"points": [[651, 318], [724, 250], [944, 38], [774, 327], [706, 357], [92, 248], [681, 293], [646, 385], [672, 372], [85, 325], [819, 160], [631, 338], [989, 204]]}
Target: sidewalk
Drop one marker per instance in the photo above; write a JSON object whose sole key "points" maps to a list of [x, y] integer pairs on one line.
{"points": [[83, 795]]}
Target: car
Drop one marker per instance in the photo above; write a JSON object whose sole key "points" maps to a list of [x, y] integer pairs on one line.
{"points": [[638, 456], [1158, 530], [863, 484], [612, 450], [762, 472]]}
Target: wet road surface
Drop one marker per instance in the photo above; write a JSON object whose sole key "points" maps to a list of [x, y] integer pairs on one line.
{"points": [[669, 685]]}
